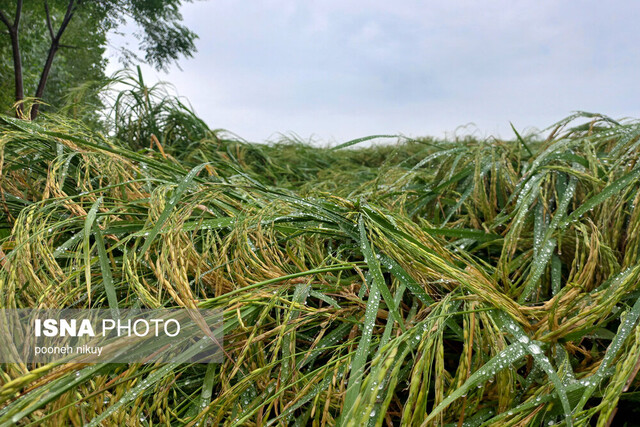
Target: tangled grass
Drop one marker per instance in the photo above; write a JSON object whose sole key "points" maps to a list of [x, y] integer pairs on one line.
{"points": [[423, 283]]}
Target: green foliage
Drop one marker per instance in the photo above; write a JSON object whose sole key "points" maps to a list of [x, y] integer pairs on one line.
{"points": [[82, 62], [162, 38], [79, 62]]}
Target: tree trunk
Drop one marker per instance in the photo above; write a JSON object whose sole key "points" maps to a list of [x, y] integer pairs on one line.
{"points": [[17, 67], [15, 48], [44, 76]]}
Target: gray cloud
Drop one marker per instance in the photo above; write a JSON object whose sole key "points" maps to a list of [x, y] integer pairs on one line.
{"points": [[339, 70]]}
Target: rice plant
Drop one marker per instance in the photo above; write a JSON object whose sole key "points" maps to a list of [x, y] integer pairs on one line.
{"points": [[464, 282]]}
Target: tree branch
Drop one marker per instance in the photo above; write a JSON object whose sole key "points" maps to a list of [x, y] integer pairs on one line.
{"points": [[16, 21], [55, 44], [67, 18], [5, 20], [49, 26]]}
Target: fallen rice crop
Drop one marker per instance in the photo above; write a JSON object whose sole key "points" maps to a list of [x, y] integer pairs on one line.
{"points": [[464, 282]]}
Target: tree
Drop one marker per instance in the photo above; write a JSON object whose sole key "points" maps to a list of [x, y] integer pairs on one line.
{"points": [[80, 61], [74, 25]]}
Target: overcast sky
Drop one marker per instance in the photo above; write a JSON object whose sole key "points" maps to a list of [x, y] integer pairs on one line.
{"points": [[336, 70]]}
